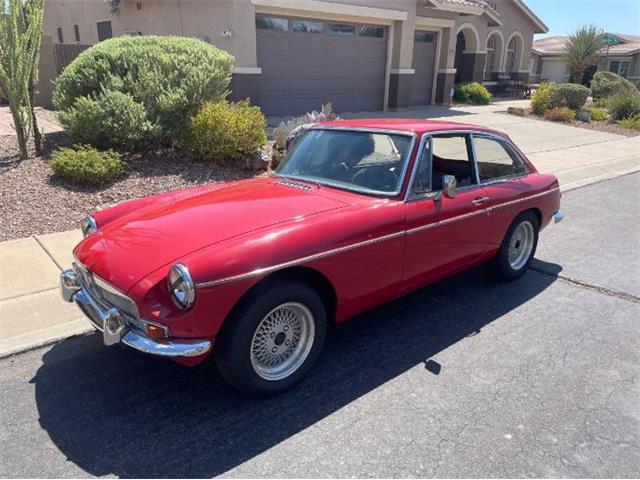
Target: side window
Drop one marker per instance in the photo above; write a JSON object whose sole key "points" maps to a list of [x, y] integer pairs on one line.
{"points": [[451, 155], [496, 160], [421, 182]]}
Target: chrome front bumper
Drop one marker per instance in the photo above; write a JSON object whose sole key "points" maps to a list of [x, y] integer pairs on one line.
{"points": [[116, 328]]}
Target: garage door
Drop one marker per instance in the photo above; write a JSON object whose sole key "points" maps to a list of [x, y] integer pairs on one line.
{"points": [[424, 53], [306, 63]]}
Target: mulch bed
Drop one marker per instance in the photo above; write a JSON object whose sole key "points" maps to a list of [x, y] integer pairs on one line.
{"points": [[33, 201], [605, 126]]}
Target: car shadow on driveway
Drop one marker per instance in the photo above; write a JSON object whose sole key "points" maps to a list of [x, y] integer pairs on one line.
{"points": [[114, 411]]}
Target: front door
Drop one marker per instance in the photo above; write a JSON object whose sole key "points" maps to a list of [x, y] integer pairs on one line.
{"points": [[445, 235]]}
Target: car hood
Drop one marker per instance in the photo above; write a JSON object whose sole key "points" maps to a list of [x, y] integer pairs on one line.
{"points": [[127, 249]]}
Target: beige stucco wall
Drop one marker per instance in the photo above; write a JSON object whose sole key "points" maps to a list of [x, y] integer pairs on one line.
{"points": [[207, 19], [230, 24]]}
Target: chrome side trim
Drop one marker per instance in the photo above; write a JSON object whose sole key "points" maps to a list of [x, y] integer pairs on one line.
{"points": [[309, 258], [317, 256], [448, 220]]}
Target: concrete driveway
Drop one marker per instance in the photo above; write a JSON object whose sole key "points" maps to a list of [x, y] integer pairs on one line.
{"points": [[577, 156], [466, 378]]}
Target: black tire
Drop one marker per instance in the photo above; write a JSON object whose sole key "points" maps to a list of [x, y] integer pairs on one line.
{"points": [[502, 268], [233, 345]]}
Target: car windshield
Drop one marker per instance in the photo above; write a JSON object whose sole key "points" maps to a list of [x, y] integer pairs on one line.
{"points": [[367, 162]]}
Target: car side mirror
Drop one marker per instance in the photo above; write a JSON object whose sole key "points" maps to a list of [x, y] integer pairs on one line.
{"points": [[449, 186]]}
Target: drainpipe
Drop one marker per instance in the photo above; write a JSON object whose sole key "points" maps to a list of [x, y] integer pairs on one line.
{"points": [[181, 20]]}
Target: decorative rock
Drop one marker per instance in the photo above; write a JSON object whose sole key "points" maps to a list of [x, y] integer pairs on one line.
{"points": [[258, 161], [276, 157], [516, 111]]}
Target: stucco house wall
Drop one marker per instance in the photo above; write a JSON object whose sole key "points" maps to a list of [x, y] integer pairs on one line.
{"points": [[230, 25]]}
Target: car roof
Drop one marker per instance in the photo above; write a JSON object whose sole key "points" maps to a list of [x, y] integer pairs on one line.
{"points": [[409, 125]]}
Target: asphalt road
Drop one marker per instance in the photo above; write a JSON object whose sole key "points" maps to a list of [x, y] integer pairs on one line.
{"points": [[469, 377]]}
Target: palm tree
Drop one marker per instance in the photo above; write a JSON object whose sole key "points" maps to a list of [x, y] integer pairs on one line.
{"points": [[582, 49]]}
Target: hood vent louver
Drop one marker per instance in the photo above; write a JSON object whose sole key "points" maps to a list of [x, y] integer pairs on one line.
{"points": [[293, 184]]}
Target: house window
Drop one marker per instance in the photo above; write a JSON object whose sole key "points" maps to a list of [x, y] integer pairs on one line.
{"points": [[104, 30], [422, 36], [306, 27], [511, 55], [368, 31], [341, 30], [60, 36], [490, 58], [620, 67], [272, 23], [76, 32]]}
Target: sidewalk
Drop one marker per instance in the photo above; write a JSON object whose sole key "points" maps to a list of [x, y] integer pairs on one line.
{"points": [[32, 312]]}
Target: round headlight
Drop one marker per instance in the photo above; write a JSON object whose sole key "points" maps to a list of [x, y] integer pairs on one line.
{"points": [[89, 226], [181, 287]]}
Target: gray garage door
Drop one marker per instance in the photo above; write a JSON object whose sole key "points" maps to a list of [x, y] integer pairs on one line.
{"points": [[424, 53], [306, 63]]}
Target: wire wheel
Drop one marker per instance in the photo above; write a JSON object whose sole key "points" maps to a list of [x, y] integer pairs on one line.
{"points": [[282, 341], [521, 245]]}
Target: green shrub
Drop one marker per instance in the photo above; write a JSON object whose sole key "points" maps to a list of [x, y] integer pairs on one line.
{"points": [[583, 115], [624, 105], [541, 98], [598, 114], [632, 122], [560, 114], [570, 95], [169, 76], [606, 84], [471, 92], [600, 102], [225, 130], [111, 120], [84, 164]]}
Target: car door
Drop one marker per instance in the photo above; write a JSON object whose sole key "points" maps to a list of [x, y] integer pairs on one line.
{"points": [[503, 172], [444, 234]]}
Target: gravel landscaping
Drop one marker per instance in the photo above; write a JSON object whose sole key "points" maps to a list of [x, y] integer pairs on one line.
{"points": [[32, 201], [607, 127]]}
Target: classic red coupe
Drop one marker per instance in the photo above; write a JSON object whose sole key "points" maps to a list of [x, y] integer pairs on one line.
{"points": [[360, 212]]}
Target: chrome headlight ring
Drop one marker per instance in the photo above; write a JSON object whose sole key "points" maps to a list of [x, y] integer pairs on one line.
{"points": [[89, 226], [181, 287]]}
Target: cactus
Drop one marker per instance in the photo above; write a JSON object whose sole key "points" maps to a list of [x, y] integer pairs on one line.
{"points": [[285, 129], [20, 37]]}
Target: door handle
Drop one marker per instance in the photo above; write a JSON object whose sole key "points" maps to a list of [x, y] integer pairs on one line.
{"points": [[480, 200]]}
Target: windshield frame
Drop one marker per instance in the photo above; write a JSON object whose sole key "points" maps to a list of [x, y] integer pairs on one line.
{"points": [[354, 188]]}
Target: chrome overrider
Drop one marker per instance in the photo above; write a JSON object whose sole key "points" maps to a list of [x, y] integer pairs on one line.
{"points": [[118, 327]]}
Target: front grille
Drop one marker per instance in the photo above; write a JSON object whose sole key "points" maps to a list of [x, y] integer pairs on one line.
{"points": [[104, 293]]}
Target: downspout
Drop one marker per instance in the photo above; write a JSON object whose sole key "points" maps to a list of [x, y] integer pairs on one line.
{"points": [[181, 19]]}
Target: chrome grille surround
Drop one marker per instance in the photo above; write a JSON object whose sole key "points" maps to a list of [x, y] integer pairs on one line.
{"points": [[106, 294]]}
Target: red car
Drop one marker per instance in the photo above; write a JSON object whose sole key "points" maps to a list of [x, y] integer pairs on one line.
{"points": [[360, 212]]}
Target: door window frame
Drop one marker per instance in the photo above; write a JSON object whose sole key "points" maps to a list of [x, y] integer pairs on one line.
{"points": [[426, 140], [508, 148]]}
